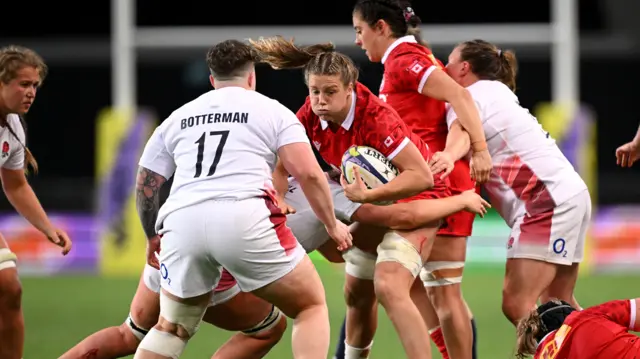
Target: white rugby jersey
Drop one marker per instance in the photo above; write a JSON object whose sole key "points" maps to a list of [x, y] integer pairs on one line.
{"points": [[222, 145], [530, 174], [12, 148]]}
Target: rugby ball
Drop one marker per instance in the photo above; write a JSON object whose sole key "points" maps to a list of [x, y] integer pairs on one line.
{"points": [[375, 168]]}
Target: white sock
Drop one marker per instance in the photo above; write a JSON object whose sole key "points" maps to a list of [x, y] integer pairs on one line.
{"points": [[356, 353]]}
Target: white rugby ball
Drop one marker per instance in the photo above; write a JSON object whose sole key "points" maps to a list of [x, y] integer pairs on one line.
{"points": [[375, 168]]}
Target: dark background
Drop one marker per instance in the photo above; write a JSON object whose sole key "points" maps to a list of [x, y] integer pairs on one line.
{"points": [[62, 121]]}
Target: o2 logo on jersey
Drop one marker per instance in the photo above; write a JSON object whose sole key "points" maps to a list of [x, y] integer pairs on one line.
{"points": [[164, 273], [558, 247]]}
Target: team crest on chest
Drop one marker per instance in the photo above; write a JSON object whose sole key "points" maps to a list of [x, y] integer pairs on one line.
{"points": [[5, 149]]}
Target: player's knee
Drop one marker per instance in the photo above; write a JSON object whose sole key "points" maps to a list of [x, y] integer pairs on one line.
{"points": [[442, 274], [132, 331], [180, 319], [395, 248], [359, 295], [513, 307], [10, 287], [177, 324], [271, 328], [359, 264]]}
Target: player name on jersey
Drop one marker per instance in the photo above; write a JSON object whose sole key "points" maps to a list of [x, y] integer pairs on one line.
{"points": [[228, 117]]}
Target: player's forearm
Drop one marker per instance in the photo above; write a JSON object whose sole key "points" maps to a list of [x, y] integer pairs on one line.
{"points": [[637, 138], [25, 202], [458, 142], [407, 184], [148, 184], [469, 118], [316, 189], [280, 179], [418, 213]]}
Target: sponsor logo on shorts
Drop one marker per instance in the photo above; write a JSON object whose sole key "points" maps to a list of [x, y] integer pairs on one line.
{"points": [[559, 247], [510, 243], [165, 273]]}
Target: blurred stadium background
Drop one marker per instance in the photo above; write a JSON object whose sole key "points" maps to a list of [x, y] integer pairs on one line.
{"points": [[118, 69]]}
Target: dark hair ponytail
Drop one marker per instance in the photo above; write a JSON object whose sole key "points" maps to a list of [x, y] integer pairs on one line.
{"points": [[398, 14]]}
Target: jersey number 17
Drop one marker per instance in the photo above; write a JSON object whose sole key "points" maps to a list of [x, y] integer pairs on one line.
{"points": [[216, 158]]}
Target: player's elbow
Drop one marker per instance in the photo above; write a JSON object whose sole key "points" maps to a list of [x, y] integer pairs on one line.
{"points": [[426, 178], [308, 174]]}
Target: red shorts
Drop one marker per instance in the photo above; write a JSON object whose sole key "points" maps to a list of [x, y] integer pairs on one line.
{"points": [[459, 224], [226, 282]]}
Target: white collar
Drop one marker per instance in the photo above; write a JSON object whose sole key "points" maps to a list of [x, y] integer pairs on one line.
{"points": [[346, 124], [408, 38]]}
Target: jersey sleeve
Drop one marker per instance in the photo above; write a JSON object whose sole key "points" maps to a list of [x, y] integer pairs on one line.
{"points": [[16, 155], [452, 115], [411, 71], [156, 157], [622, 312], [289, 128], [386, 132]]}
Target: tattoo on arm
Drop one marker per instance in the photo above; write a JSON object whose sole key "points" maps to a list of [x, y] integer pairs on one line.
{"points": [[148, 185]]}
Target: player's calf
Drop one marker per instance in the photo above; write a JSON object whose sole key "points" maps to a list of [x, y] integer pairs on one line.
{"points": [[361, 319], [400, 258], [256, 341], [11, 319], [179, 321], [442, 276]]}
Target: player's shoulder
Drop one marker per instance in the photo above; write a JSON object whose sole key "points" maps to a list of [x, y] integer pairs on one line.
{"points": [[407, 53], [13, 120], [491, 90]]}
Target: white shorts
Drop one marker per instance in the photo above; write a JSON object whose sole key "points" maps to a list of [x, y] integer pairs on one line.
{"points": [[307, 228], [556, 236], [152, 277], [249, 238]]}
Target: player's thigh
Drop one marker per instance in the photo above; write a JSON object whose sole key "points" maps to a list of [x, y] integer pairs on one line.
{"points": [[305, 225], [524, 282], [145, 306], [296, 291], [564, 283], [239, 312], [256, 247], [187, 266], [9, 282], [410, 249], [344, 208]]}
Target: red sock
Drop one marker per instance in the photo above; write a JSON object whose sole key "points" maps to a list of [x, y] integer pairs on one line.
{"points": [[438, 339]]}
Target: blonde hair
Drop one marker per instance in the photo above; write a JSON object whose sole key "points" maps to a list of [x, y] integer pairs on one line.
{"points": [[12, 59], [526, 332], [320, 59]]}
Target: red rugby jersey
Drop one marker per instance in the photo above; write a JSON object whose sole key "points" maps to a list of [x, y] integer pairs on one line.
{"points": [[599, 332], [407, 66], [370, 122]]}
